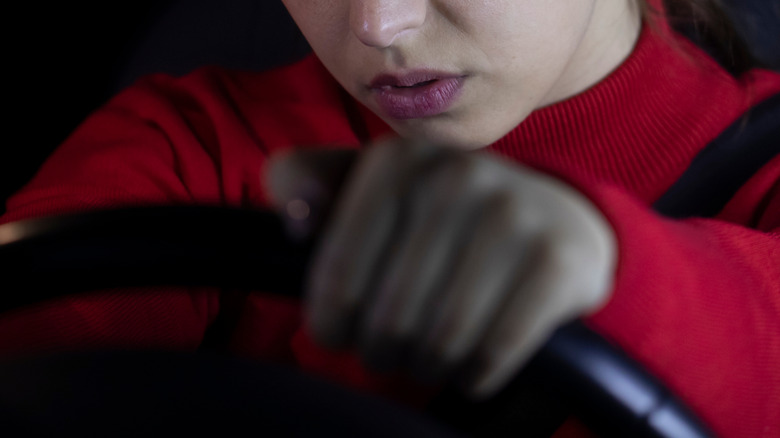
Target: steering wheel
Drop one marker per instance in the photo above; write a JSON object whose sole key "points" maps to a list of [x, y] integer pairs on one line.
{"points": [[250, 250]]}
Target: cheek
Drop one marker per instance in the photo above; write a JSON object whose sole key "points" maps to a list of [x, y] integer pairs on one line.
{"points": [[523, 53], [324, 23], [531, 44]]}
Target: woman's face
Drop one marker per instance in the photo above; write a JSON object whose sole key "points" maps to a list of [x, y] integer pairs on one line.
{"points": [[465, 72]]}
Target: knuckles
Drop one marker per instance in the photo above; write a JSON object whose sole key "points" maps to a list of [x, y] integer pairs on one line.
{"points": [[522, 207]]}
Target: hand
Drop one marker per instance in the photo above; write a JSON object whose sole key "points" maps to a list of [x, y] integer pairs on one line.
{"points": [[449, 263]]}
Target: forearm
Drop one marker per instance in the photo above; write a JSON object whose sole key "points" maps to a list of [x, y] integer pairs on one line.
{"points": [[698, 302]]}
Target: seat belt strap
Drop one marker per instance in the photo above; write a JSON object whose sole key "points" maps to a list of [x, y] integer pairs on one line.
{"points": [[722, 167]]}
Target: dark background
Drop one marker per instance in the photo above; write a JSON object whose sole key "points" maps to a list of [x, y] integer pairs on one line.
{"points": [[65, 60], [59, 64]]}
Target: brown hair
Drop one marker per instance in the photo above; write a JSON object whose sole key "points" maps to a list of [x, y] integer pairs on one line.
{"points": [[707, 23]]}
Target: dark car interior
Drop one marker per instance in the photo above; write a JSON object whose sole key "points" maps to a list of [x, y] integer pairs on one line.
{"points": [[70, 59]]}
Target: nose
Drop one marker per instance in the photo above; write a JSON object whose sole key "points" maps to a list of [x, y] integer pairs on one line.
{"points": [[377, 23]]}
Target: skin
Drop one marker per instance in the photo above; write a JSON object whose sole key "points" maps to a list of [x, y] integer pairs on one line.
{"points": [[452, 264], [517, 55]]}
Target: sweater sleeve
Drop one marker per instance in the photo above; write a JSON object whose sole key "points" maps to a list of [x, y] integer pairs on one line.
{"points": [[698, 302], [199, 139], [118, 157]]}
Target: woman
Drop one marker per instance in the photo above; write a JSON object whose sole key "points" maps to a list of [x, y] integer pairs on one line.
{"points": [[448, 262]]}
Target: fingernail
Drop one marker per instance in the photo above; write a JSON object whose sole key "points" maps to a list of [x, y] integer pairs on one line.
{"points": [[298, 219], [298, 210], [304, 213]]}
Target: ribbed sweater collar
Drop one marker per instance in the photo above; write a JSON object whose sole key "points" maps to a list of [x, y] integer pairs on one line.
{"points": [[640, 126]]}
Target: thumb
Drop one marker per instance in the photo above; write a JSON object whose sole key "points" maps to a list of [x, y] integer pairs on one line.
{"points": [[303, 183]]}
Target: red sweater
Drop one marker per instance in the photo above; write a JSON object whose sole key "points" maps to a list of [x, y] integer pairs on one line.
{"points": [[697, 301]]}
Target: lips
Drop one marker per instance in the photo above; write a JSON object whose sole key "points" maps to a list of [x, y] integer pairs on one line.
{"points": [[416, 94]]}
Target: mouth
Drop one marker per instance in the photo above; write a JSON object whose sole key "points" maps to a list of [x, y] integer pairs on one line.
{"points": [[417, 85], [413, 79], [416, 94]]}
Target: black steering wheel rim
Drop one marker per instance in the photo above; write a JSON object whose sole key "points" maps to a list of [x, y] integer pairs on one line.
{"points": [[213, 246]]}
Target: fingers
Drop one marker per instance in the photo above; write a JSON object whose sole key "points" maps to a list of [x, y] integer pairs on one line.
{"points": [[526, 319], [444, 262], [447, 272], [302, 184], [478, 287], [356, 239], [439, 214]]}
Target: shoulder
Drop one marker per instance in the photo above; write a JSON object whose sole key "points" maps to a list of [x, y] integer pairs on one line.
{"points": [[202, 137], [296, 104]]}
